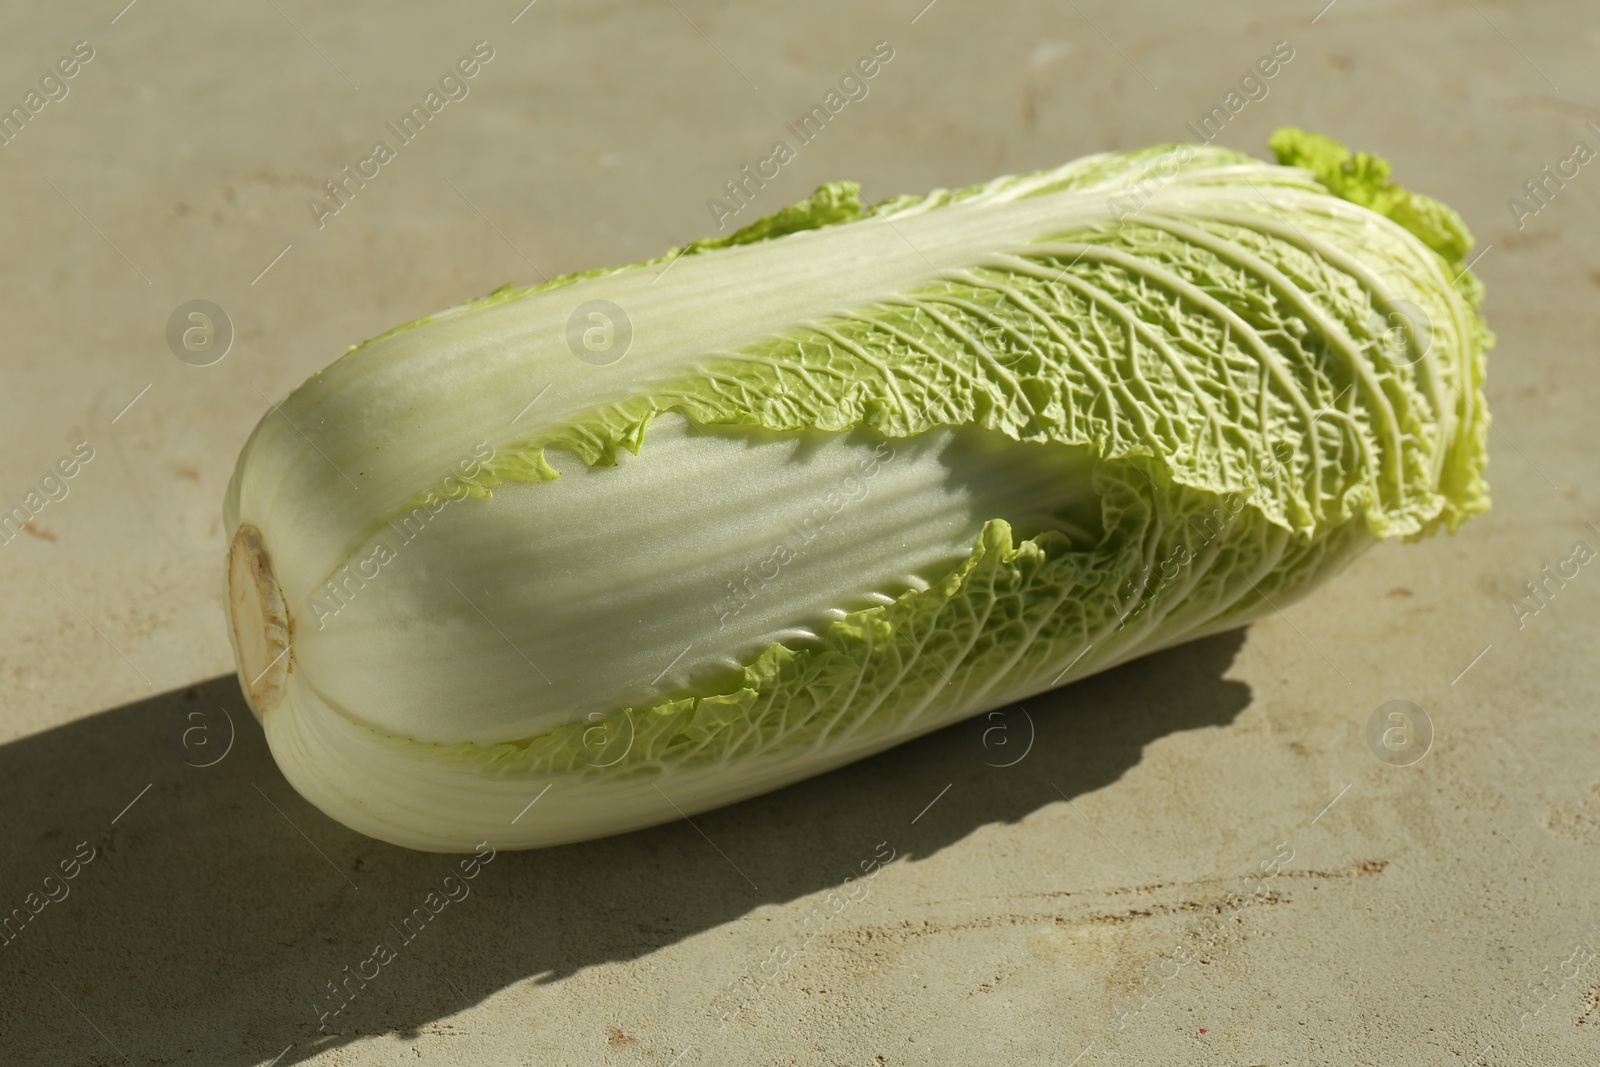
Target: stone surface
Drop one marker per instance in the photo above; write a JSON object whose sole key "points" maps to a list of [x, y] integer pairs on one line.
{"points": [[1198, 861]]}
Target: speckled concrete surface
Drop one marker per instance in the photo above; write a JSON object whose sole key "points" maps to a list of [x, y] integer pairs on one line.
{"points": [[1102, 897]]}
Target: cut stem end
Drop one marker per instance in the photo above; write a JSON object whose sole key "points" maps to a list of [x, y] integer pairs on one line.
{"points": [[260, 622]]}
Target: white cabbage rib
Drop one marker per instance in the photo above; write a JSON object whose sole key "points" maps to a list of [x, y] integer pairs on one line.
{"points": [[619, 585], [859, 475]]}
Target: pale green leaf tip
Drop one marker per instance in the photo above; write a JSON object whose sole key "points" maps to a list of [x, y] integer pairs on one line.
{"points": [[831, 204], [1363, 178]]}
